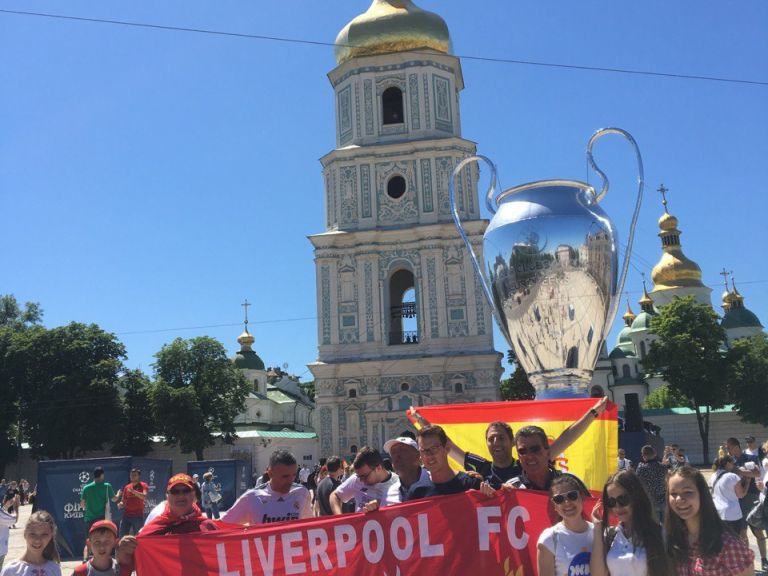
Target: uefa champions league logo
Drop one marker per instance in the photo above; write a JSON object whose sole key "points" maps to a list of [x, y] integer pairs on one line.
{"points": [[84, 477]]}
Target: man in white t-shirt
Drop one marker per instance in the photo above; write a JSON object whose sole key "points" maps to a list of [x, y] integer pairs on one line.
{"points": [[275, 501], [372, 486]]}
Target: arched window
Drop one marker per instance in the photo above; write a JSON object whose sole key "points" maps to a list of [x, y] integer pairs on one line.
{"points": [[352, 393], [353, 449], [625, 371], [392, 106], [642, 348], [615, 371], [403, 321], [458, 388]]}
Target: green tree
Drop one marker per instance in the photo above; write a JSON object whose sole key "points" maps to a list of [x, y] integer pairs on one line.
{"points": [[663, 397], [66, 380], [309, 389], [517, 386], [137, 422], [197, 392], [688, 355], [748, 378], [13, 318]]}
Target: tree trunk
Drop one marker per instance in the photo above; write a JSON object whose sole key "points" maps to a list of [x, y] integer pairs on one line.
{"points": [[199, 454], [703, 429], [705, 435]]}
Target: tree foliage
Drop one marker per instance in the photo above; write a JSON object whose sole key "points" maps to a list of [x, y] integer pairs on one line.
{"points": [[688, 355], [66, 382], [516, 387], [748, 378], [137, 422], [197, 392], [664, 397], [13, 318]]}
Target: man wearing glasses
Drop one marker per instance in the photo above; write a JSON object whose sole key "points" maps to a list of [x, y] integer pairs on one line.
{"points": [[179, 516], [432, 443], [535, 469], [372, 486], [278, 500]]}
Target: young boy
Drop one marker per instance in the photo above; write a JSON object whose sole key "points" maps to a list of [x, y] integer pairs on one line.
{"points": [[102, 539]]}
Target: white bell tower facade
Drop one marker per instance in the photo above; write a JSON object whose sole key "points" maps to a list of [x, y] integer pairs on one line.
{"points": [[401, 317]]}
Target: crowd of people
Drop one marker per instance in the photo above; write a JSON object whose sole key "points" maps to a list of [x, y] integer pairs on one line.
{"points": [[659, 517]]}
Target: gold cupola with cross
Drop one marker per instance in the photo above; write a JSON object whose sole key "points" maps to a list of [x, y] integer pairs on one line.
{"points": [[675, 274]]}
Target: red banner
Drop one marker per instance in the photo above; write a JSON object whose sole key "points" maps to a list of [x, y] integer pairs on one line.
{"points": [[465, 533]]}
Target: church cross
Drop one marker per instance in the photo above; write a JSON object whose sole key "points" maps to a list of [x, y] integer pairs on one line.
{"points": [[725, 275], [245, 305], [663, 190]]}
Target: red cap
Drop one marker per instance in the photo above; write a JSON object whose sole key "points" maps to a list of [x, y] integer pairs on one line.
{"points": [[181, 479], [108, 524]]}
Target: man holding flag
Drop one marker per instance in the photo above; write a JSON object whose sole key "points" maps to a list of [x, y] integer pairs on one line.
{"points": [[500, 440]]}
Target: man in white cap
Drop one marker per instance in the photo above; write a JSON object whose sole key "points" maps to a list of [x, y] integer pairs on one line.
{"points": [[414, 480]]}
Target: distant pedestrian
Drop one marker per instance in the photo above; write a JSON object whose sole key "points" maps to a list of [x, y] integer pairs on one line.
{"points": [[653, 475], [132, 503], [624, 463], [211, 496]]}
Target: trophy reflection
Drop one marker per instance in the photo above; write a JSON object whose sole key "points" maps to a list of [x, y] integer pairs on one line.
{"points": [[552, 272]]}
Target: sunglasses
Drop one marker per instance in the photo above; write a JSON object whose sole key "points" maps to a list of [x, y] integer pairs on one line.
{"points": [[530, 450], [623, 500], [572, 495], [177, 491]]}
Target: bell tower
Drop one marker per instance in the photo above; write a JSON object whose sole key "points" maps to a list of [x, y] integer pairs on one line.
{"points": [[401, 318]]}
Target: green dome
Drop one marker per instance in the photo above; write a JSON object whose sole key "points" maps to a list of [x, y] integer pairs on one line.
{"points": [[248, 360], [740, 318], [642, 322], [624, 336]]}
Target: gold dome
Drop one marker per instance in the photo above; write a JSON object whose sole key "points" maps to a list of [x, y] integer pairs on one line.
{"points": [[727, 300], [629, 316], [676, 270], [645, 301], [667, 222], [245, 340], [392, 26]]}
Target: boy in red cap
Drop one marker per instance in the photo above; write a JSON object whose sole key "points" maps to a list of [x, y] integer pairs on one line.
{"points": [[102, 539]]}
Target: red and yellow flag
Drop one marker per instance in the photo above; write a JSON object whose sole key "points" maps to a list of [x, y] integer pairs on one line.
{"points": [[592, 457]]}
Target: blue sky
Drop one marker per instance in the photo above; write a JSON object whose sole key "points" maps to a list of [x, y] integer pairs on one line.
{"points": [[151, 180]]}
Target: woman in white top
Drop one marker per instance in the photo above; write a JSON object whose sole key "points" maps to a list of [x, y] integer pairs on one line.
{"points": [[565, 548], [634, 547], [727, 488]]}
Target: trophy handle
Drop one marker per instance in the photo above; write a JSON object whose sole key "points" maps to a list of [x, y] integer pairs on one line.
{"points": [[640, 183], [457, 220]]}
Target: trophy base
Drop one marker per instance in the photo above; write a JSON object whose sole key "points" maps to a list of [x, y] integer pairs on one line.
{"points": [[555, 384]]}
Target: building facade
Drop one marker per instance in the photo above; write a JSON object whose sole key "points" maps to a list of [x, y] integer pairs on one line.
{"points": [[402, 320]]}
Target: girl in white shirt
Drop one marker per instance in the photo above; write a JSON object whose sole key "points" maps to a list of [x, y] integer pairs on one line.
{"points": [[634, 547], [41, 557], [727, 488], [565, 548]]}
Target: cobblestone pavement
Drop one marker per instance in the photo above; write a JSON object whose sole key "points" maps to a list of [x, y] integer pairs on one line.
{"points": [[16, 545]]}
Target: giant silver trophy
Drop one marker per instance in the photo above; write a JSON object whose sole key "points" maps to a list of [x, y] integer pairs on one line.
{"points": [[551, 271]]}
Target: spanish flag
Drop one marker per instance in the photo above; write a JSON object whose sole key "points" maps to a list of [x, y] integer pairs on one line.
{"points": [[592, 457]]}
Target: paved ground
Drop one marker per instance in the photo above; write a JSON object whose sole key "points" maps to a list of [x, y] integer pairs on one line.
{"points": [[16, 545]]}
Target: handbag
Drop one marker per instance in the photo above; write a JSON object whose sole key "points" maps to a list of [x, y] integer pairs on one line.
{"points": [[756, 516], [214, 497]]}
